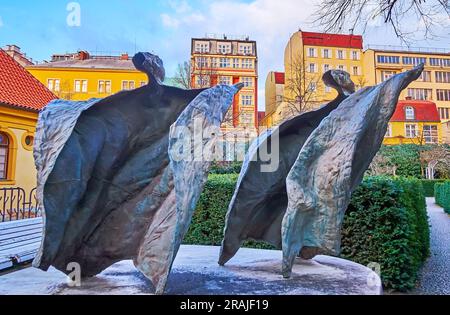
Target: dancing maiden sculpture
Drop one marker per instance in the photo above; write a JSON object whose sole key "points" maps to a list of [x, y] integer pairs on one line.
{"points": [[299, 208], [109, 178], [116, 183]]}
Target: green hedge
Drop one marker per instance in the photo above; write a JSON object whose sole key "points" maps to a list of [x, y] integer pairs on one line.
{"points": [[428, 186], [385, 223], [442, 194]]}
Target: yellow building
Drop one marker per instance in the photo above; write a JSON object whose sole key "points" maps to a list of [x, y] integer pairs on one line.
{"points": [[433, 85], [222, 60], [414, 122], [274, 94], [21, 98], [80, 76], [307, 57]]}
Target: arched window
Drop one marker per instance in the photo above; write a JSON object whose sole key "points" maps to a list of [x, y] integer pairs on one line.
{"points": [[4, 152], [409, 113]]}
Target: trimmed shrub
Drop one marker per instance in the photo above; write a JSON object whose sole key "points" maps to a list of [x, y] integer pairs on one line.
{"points": [[386, 223], [226, 168], [442, 195], [428, 186]]}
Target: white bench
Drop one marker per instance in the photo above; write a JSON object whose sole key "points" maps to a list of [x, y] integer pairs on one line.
{"points": [[19, 241]]}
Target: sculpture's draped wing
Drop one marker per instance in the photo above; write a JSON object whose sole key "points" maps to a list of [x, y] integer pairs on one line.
{"points": [[102, 174], [190, 152], [331, 165], [260, 200]]}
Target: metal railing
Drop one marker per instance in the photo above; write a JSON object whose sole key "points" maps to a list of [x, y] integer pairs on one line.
{"points": [[16, 204]]}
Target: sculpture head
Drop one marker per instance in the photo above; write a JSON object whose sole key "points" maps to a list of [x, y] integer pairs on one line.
{"points": [[340, 81], [151, 64]]}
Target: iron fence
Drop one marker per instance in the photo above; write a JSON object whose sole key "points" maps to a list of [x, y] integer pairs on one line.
{"points": [[16, 204]]}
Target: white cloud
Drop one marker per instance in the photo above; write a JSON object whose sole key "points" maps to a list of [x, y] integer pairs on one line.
{"points": [[180, 6], [270, 23], [169, 21]]}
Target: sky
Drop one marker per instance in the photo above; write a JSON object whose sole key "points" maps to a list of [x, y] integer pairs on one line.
{"points": [[165, 27]]}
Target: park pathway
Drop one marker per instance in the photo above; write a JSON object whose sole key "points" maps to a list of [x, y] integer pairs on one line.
{"points": [[435, 275]]}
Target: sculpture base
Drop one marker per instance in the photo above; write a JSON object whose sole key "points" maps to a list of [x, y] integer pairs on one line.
{"points": [[196, 272]]}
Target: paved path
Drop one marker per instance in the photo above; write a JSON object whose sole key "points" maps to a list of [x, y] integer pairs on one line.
{"points": [[435, 275]]}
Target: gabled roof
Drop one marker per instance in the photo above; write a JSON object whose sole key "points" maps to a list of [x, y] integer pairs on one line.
{"points": [[425, 111], [279, 77], [19, 88], [332, 40]]}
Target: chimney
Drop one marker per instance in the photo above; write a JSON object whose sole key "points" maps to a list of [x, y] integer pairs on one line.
{"points": [[83, 55], [124, 56]]}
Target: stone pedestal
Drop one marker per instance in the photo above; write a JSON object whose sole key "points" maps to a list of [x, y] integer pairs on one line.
{"points": [[196, 272]]}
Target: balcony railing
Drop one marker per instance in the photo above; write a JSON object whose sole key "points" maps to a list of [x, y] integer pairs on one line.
{"points": [[17, 204]]}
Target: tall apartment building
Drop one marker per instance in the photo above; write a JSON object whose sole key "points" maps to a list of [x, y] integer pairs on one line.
{"points": [[223, 60], [307, 57], [81, 76], [274, 93], [434, 85]]}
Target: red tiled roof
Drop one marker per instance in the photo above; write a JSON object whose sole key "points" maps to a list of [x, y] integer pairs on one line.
{"points": [[332, 40], [423, 110], [279, 77], [19, 88]]}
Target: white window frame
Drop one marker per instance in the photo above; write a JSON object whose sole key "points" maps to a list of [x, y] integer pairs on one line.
{"points": [[389, 131], [408, 134], [410, 113], [83, 88], [246, 100], [432, 135]]}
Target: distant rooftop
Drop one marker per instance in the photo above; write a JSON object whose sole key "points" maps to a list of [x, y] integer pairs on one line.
{"points": [[332, 40], [418, 50], [84, 59], [227, 37]]}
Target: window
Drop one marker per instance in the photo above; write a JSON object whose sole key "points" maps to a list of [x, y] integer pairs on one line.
{"points": [[104, 86], [312, 67], [409, 113], [201, 62], [355, 70], [224, 48], [430, 134], [53, 85], [312, 52], [386, 75], [246, 118], [4, 152], [142, 83], [414, 60], [213, 62], [225, 80], [425, 76], [388, 59], [312, 86], [355, 55], [245, 49], [443, 95], [326, 68], [439, 62], [235, 63], [203, 81], [389, 131], [247, 63], [342, 67], [246, 100], [224, 63], [326, 53], [442, 77], [127, 85], [420, 94], [202, 47], [248, 82], [327, 89], [340, 54], [81, 86], [444, 113], [411, 131]]}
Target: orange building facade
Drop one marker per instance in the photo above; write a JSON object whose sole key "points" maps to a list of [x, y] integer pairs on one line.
{"points": [[229, 61]]}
